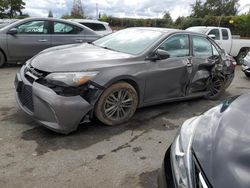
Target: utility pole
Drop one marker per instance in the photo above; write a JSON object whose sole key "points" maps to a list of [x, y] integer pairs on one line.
{"points": [[97, 11], [77, 9]]}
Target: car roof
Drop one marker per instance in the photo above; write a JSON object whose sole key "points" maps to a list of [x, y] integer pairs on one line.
{"points": [[168, 31], [208, 27], [88, 21], [163, 30], [49, 19]]}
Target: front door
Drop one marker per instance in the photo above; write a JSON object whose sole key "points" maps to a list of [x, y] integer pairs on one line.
{"points": [[168, 78], [32, 37]]}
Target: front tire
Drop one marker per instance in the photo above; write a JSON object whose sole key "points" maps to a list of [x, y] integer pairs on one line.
{"points": [[2, 59], [117, 104]]}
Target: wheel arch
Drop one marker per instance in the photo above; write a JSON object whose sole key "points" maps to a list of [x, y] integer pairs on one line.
{"points": [[243, 49], [133, 81], [5, 56]]}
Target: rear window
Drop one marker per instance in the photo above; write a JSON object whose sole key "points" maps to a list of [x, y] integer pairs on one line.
{"points": [[95, 26], [224, 34]]}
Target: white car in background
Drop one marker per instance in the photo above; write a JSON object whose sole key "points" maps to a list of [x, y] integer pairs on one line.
{"points": [[99, 27]]}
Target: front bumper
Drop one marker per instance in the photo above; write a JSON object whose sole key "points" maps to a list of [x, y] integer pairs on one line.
{"points": [[165, 176], [58, 113]]}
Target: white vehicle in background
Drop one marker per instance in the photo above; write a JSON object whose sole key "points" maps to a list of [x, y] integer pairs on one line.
{"points": [[237, 48], [245, 67], [99, 27]]}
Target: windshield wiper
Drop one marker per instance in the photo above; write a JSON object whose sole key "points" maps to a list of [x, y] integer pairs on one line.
{"points": [[107, 48]]}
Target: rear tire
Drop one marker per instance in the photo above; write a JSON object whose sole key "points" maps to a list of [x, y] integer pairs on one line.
{"points": [[247, 74], [215, 88], [2, 59], [117, 104]]}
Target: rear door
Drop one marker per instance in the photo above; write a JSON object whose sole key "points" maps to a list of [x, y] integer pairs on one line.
{"points": [[32, 37], [168, 78], [65, 33], [204, 57]]}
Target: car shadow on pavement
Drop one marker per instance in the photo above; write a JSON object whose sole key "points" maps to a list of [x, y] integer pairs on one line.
{"points": [[162, 117]]}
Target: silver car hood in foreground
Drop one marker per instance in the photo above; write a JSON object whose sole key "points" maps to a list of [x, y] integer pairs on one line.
{"points": [[78, 57], [222, 144]]}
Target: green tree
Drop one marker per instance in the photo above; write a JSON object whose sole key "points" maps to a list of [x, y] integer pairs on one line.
{"points": [[168, 19], [214, 8], [198, 9], [15, 7], [221, 7]]}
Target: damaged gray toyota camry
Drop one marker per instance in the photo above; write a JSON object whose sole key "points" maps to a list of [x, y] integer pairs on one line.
{"points": [[110, 78]]}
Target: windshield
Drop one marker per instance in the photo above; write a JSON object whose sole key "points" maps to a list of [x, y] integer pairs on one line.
{"points": [[130, 41], [198, 29]]}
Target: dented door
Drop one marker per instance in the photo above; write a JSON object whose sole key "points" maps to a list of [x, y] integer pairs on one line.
{"points": [[204, 56], [169, 78]]}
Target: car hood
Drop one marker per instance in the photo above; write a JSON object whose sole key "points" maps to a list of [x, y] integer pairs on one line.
{"points": [[78, 57], [221, 144]]}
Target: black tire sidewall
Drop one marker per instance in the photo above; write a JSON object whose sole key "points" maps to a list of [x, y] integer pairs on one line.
{"points": [[2, 59], [214, 97], [99, 109]]}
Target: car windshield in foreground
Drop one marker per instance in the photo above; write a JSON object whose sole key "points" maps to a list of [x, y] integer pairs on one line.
{"points": [[197, 29], [130, 41]]}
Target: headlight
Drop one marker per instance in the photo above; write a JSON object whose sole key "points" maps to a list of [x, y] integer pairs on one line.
{"points": [[181, 155], [74, 79]]}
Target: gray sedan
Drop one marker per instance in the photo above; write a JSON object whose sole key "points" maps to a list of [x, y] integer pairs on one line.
{"points": [[113, 76], [23, 39]]}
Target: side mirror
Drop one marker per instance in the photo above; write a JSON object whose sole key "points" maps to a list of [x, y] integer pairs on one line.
{"points": [[161, 54], [12, 31], [212, 36]]}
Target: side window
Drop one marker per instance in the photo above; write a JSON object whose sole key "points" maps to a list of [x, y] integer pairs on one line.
{"points": [[64, 28], [33, 27], [177, 45], [224, 34], [95, 26], [215, 32], [201, 47]]}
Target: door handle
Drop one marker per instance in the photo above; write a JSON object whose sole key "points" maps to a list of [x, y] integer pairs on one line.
{"points": [[43, 40], [79, 40], [189, 64]]}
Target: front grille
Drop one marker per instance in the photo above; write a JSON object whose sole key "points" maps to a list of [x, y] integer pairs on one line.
{"points": [[32, 74], [25, 97]]}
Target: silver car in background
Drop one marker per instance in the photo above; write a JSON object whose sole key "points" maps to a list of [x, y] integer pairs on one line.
{"points": [[100, 27], [23, 39], [245, 67]]}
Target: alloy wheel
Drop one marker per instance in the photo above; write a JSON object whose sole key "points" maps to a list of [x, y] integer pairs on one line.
{"points": [[118, 104]]}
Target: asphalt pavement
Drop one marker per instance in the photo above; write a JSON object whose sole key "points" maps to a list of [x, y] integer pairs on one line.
{"points": [[95, 155]]}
